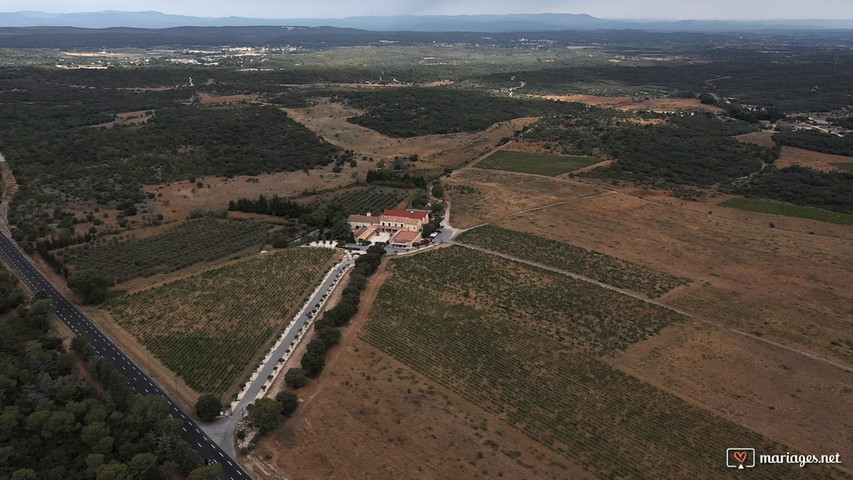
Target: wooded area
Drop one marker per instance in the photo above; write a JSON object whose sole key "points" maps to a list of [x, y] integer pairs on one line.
{"points": [[54, 424], [684, 150]]}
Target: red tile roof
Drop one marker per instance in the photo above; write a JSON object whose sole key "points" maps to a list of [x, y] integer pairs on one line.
{"points": [[404, 237], [403, 213]]}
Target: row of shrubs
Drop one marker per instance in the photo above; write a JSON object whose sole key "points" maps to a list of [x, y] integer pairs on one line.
{"points": [[327, 327]]}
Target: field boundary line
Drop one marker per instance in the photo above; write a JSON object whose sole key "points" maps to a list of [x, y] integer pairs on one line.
{"points": [[718, 324]]}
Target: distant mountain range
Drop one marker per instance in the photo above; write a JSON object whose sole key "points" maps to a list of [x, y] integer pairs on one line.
{"points": [[427, 23]]}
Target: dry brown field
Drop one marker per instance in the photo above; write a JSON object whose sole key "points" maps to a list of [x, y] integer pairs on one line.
{"points": [[329, 121], [206, 98], [797, 156], [628, 103], [179, 199]]}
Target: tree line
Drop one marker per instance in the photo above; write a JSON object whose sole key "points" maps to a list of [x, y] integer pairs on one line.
{"points": [[280, 207]]}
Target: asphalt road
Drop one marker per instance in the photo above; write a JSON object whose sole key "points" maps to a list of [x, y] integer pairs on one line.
{"points": [[144, 385]]}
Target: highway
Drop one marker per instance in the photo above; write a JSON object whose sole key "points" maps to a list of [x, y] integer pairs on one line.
{"points": [[142, 383]]}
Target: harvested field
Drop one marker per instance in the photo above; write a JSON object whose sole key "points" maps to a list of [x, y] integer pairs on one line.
{"points": [[508, 362], [209, 327], [481, 196], [534, 163]]}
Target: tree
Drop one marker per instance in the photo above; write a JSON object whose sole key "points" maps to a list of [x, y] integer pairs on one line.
{"points": [[265, 413], [208, 406], [90, 285], [317, 345], [295, 378], [24, 474], [82, 347], [113, 471], [313, 363], [289, 402], [330, 337], [143, 465], [210, 472]]}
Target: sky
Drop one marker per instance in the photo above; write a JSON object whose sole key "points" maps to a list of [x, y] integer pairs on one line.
{"points": [[616, 9]]}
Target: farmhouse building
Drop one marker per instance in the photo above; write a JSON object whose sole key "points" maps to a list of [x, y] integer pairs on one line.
{"points": [[405, 239], [396, 227]]}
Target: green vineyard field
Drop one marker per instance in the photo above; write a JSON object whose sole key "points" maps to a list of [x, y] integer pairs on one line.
{"points": [[362, 200], [200, 240], [518, 341], [208, 327], [571, 258]]}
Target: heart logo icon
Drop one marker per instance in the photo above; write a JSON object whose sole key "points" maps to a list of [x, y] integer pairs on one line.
{"points": [[740, 456]]}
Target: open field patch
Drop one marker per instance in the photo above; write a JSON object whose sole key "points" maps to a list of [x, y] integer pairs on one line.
{"points": [[536, 163], [329, 120], [775, 392], [635, 103], [571, 258], [200, 240], [440, 313], [480, 196], [798, 156], [208, 327], [787, 210]]}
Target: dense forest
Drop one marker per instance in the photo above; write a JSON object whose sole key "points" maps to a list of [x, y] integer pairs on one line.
{"points": [[177, 143], [788, 81], [803, 186], [410, 112], [54, 424], [815, 140]]}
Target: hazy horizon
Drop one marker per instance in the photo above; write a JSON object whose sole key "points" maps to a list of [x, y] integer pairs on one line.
{"points": [[608, 9]]}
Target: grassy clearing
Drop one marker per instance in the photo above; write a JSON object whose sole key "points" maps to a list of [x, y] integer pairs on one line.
{"points": [[845, 165], [208, 327], [536, 163], [515, 340], [201, 240], [764, 206], [565, 256]]}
